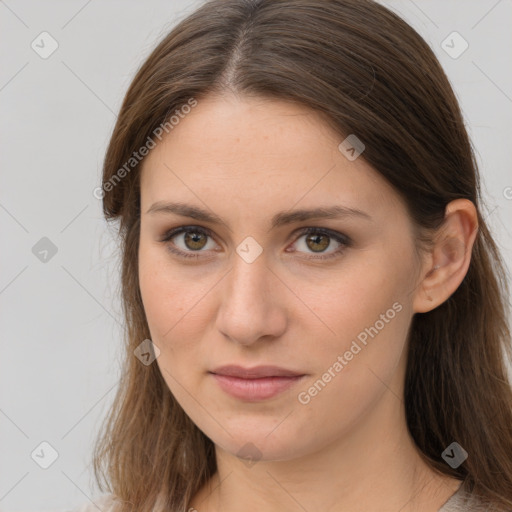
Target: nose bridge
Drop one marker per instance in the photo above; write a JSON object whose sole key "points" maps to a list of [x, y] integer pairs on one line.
{"points": [[249, 282], [249, 307]]}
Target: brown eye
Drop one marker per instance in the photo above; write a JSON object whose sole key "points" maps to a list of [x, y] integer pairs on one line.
{"points": [[317, 240], [188, 241], [195, 240], [317, 243]]}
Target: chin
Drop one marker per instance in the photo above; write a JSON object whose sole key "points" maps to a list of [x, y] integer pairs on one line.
{"points": [[261, 442]]}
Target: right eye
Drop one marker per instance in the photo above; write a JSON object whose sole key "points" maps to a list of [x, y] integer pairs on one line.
{"points": [[194, 239]]}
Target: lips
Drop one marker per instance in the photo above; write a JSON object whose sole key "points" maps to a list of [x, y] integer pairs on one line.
{"points": [[255, 384], [257, 372]]}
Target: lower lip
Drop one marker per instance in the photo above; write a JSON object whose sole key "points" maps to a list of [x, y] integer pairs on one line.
{"points": [[253, 390]]}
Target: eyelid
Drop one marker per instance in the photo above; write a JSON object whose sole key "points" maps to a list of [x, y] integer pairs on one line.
{"points": [[344, 240], [184, 229]]}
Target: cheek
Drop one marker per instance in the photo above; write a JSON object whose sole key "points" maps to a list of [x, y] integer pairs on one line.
{"points": [[353, 369], [368, 314], [358, 300], [171, 300], [176, 308], [169, 307]]}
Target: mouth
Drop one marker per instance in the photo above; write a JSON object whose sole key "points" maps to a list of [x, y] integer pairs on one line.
{"points": [[255, 384]]}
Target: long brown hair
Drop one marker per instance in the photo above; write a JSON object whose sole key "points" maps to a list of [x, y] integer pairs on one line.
{"points": [[367, 72]]}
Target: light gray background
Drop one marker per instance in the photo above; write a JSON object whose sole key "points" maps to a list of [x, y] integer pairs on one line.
{"points": [[60, 319]]}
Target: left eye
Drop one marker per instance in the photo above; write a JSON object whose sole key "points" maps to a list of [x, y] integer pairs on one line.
{"points": [[316, 239]]}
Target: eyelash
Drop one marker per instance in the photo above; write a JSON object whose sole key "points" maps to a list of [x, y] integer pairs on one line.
{"points": [[344, 240]]}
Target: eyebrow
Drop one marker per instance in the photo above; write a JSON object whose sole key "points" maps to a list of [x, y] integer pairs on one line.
{"points": [[278, 220]]}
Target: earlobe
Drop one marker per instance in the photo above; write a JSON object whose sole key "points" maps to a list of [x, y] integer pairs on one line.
{"points": [[450, 256]]}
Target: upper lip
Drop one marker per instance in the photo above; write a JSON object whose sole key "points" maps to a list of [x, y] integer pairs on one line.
{"points": [[256, 372]]}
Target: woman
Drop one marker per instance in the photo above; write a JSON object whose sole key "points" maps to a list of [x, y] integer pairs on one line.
{"points": [[315, 308]]}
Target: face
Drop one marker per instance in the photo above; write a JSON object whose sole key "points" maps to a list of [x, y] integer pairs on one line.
{"points": [[251, 282]]}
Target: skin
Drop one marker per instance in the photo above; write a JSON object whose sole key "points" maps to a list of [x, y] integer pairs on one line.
{"points": [[347, 449]]}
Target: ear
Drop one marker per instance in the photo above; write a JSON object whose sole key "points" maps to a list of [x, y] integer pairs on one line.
{"points": [[450, 256]]}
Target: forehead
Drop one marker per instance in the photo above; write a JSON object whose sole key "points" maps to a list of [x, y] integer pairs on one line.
{"points": [[254, 152], [233, 126]]}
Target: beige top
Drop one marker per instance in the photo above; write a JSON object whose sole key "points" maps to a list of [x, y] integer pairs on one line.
{"points": [[460, 501]]}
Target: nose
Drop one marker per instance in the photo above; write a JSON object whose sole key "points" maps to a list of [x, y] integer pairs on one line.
{"points": [[252, 303]]}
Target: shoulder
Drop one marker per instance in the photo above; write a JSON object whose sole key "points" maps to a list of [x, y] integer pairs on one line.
{"points": [[103, 503], [465, 501]]}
